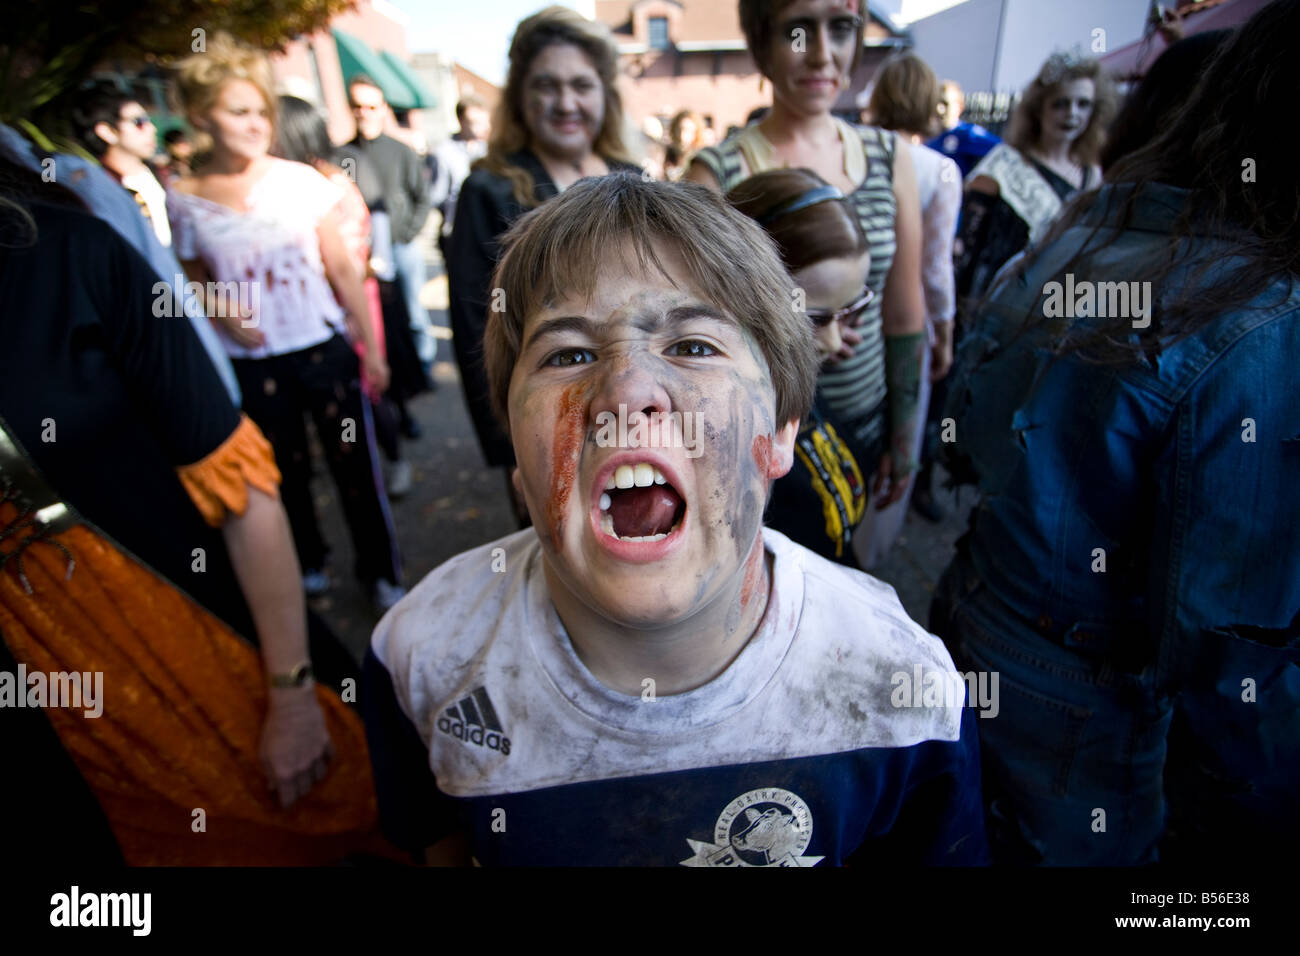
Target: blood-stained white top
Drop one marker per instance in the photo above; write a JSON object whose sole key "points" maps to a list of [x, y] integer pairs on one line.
{"points": [[270, 248]]}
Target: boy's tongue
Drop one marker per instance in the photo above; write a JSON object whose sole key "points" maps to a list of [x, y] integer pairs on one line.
{"points": [[639, 512]]}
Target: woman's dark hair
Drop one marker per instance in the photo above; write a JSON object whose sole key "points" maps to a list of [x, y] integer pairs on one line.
{"points": [[302, 135], [824, 230], [1169, 81], [1222, 145]]}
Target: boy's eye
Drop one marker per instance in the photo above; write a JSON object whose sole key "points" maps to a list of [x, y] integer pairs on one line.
{"points": [[569, 357], [693, 348]]}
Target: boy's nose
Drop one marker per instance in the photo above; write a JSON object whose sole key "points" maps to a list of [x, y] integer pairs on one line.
{"points": [[628, 381]]}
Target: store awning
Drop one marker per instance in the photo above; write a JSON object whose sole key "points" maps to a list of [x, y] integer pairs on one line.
{"points": [[424, 100], [355, 57], [1132, 61]]}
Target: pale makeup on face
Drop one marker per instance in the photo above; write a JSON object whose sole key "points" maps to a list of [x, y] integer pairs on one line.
{"points": [[812, 52], [651, 344], [563, 102], [1067, 110], [830, 285]]}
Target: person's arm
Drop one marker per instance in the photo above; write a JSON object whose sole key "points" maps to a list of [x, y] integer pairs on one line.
{"points": [[903, 323], [418, 189], [698, 172], [218, 312], [346, 281], [295, 745], [939, 223], [228, 470]]}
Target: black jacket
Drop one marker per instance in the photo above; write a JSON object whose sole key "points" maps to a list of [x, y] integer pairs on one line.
{"points": [[399, 189]]}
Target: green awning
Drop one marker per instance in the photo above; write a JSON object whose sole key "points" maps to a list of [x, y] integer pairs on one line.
{"points": [[355, 57], [424, 100]]}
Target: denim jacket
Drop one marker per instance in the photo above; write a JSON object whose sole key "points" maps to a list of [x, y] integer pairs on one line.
{"points": [[1141, 509]]}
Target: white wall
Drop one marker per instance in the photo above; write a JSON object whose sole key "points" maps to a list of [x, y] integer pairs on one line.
{"points": [[961, 43], [1036, 28]]}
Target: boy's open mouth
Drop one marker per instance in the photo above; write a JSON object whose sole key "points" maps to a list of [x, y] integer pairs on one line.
{"points": [[639, 504]]}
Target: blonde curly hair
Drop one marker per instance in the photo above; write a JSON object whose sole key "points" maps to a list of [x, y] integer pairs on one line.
{"points": [[200, 77]]}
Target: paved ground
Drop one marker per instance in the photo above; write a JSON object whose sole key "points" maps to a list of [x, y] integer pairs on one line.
{"points": [[459, 503]]}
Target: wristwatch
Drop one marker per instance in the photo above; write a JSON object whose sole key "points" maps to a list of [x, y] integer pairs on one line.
{"points": [[298, 677]]}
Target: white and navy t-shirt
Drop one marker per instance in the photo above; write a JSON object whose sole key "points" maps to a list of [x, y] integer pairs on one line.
{"points": [[482, 719]]}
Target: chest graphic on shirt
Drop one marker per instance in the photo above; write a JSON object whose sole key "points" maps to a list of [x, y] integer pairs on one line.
{"points": [[765, 827], [473, 720]]}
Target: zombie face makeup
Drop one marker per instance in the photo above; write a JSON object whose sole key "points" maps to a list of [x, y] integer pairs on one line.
{"points": [[812, 53], [645, 536], [563, 101], [1068, 110]]}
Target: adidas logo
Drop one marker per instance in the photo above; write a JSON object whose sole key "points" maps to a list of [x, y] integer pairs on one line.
{"points": [[474, 720]]}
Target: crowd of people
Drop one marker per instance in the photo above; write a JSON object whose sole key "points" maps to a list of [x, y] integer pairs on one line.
{"points": [[1091, 320]]}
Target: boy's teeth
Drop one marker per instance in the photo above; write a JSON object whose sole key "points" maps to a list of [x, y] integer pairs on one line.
{"points": [[659, 477], [644, 476], [607, 525], [610, 483], [604, 502], [624, 477]]}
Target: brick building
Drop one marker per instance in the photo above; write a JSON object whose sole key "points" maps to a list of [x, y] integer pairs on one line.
{"points": [[690, 54]]}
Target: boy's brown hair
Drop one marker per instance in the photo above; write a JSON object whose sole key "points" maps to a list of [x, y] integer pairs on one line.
{"points": [[557, 249]]}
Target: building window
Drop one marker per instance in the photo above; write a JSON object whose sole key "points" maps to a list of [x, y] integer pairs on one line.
{"points": [[659, 33]]}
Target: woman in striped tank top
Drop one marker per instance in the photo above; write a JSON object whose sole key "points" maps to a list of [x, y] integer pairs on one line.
{"points": [[808, 49]]}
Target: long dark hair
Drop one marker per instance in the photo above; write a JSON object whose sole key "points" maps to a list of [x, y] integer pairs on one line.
{"points": [[1222, 145], [302, 135], [1171, 78]]}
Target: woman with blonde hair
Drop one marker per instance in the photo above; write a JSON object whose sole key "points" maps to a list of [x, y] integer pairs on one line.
{"points": [[809, 49], [559, 119], [270, 226], [1050, 153]]}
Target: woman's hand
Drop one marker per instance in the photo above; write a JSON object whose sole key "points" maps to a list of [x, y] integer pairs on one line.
{"points": [[884, 486], [941, 351], [250, 337], [377, 372], [296, 746], [849, 339]]}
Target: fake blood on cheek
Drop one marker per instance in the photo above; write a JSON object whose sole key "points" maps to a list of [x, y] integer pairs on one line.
{"points": [[566, 450], [765, 457]]}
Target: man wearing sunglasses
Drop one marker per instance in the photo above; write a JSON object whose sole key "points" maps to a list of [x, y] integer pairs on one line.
{"points": [[118, 132]]}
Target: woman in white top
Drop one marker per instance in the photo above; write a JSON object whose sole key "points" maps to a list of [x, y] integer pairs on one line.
{"points": [[906, 99], [263, 234], [808, 50]]}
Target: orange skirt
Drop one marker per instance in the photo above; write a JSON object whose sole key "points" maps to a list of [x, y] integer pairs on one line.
{"points": [[184, 701]]}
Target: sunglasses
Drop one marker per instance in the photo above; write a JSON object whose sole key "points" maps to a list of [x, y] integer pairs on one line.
{"points": [[847, 315], [139, 122]]}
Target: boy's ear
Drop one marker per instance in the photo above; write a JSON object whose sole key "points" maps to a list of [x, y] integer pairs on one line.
{"points": [[783, 447]]}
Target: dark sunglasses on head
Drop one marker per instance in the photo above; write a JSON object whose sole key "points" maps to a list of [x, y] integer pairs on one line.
{"points": [[849, 314]]}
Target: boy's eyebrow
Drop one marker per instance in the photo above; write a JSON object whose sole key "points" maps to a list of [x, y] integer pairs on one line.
{"points": [[646, 322]]}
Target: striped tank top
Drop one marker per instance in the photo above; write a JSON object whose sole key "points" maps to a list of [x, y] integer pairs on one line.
{"points": [[852, 389]]}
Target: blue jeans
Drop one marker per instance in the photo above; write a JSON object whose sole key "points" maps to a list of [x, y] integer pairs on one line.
{"points": [[1073, 762], [411, 276], [1212, 767]]}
